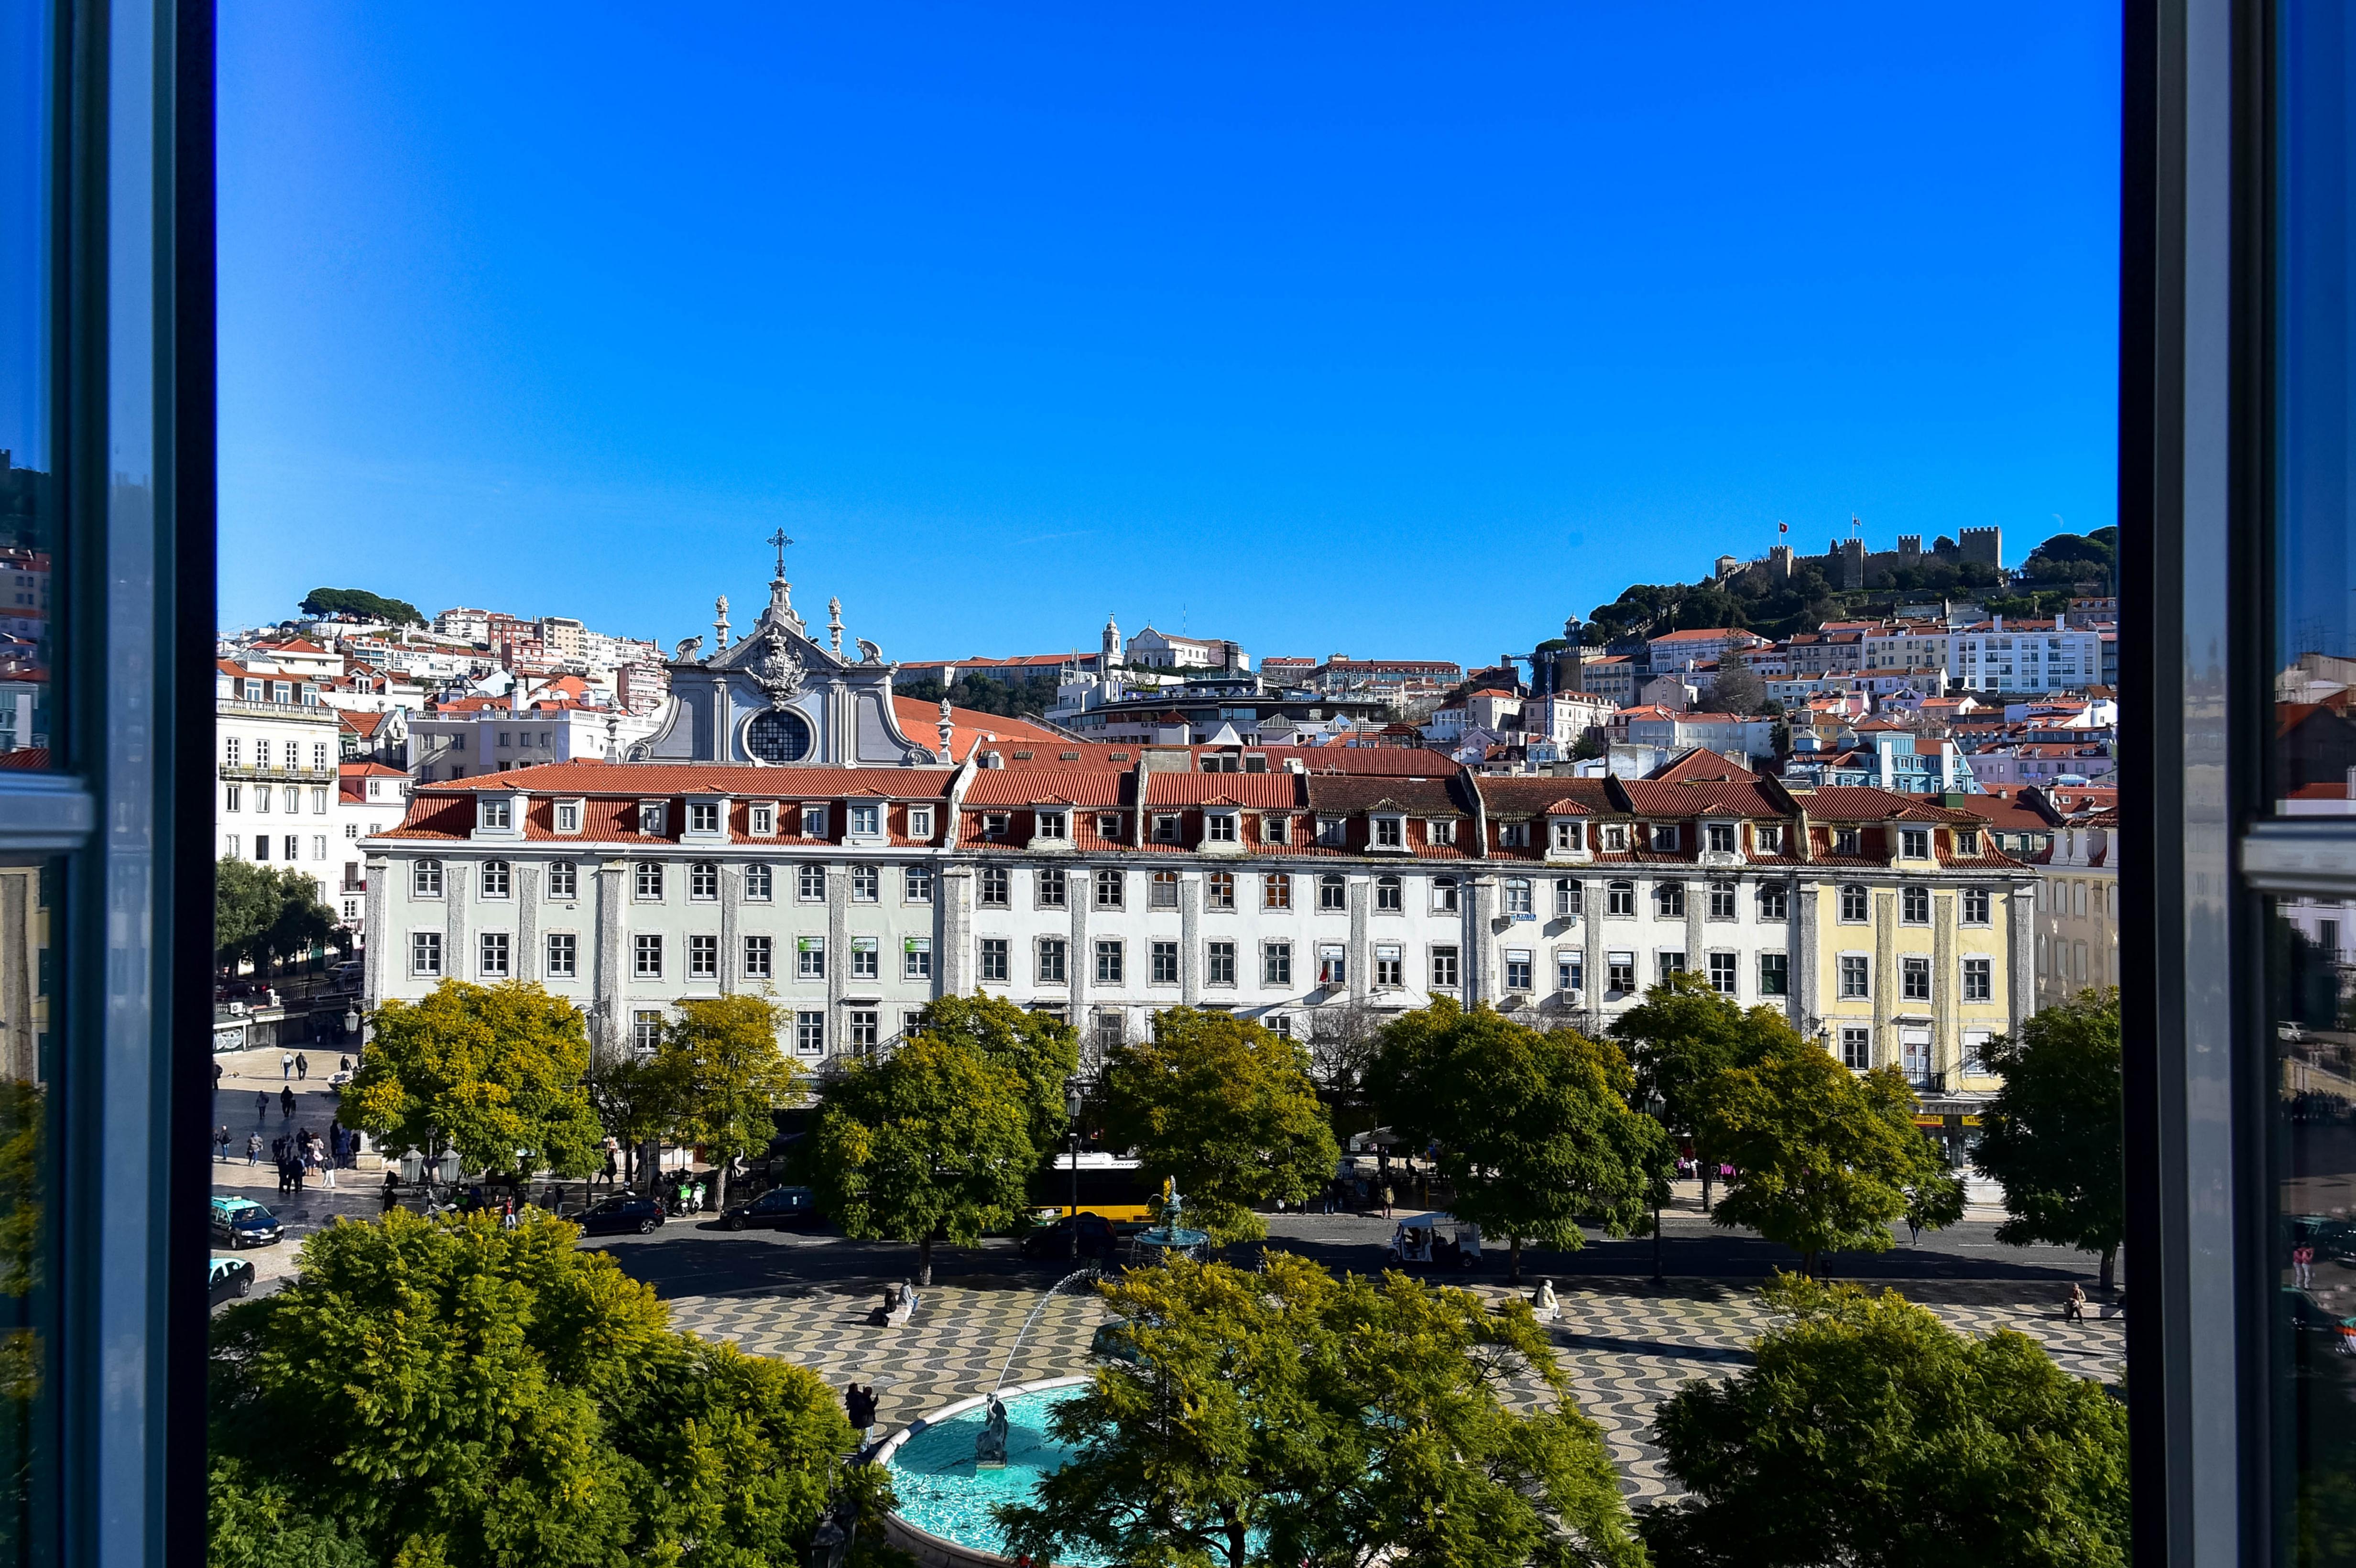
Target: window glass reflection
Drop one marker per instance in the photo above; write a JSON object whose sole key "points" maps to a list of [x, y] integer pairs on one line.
{"points": [[29, 494], [25, 1157]]}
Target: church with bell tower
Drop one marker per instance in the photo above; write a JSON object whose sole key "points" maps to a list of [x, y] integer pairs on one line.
{"points": [[777, 697]]}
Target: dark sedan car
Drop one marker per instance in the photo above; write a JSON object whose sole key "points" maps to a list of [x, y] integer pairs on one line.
{"points": [[616, 1215], [231, 1277], [242, 1223], [1096, 1238], [777, 1209]]}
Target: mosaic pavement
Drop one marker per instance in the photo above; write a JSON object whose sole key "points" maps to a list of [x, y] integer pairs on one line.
{"points": [[1625, 1346]]}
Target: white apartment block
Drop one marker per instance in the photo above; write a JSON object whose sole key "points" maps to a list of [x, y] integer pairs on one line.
{"points": [[2031, 656], [275, 785], [472, 742]]}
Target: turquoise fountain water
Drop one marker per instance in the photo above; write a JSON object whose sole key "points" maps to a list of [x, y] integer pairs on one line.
{"points": [[943, 1493]]}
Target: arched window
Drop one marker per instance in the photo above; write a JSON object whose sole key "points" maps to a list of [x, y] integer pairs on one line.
{"points": [[704, 882], [1855, 910], [1517, 897], [1621, 898], [563, 880], [1164, 890], [425, 880], [1333, 892], [1386, 894], [495, 878], [1671, 899]]}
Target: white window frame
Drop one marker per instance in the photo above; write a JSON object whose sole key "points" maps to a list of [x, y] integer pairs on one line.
{"points": [[426, 954], [494, 954]]}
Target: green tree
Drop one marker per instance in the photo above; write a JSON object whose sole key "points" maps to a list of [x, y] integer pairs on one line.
{"points": [[487, 1069], [1284, 1416], [1740, 689], [1825, 1158], [265, 912], [456, 1394], [2054, 1137], [1534, 1130], [1680, 1038], [1869, 1433], [634, 1101], [934, 1140], [360, 601], [1224, 1108], [723, 1076], [1040, 1049]]}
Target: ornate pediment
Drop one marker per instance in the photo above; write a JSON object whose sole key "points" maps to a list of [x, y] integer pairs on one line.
{"points": [[780, 671]]}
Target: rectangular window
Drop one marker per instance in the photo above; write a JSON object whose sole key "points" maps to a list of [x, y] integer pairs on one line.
{"points": [[1108, 889], [1671, 897], [425, 954], [1774, 974], [646, 1028], [1914, 843], [759, 956], [1390, 833], [1721, 901], [810, 1033], [1915, 979], [704, 882], [1767, 837], [319, 847], [810, 963], [862, 1029], [1664, 838], [994, 824], [1568, 900], [1517, 897], [1219, 828], [1162, 891], [1975, 906], [920, 822], [648, 964], [1517, 969], [1275, 890], [867, 819], [1108, 966], [1567, 834], [320, 802], [1441, 830], [563, 955], [813, 822], [1219, 889], [866, 959], [1722, 978], [1276, 964], [1721, 837], [1975, 1043], [1848, 841], [1110, 1029], [1333, 964], [1621, 977], [1055, 888], [809, 884], [1165, 829], [991, 886], [1857, 1049], [1914, 905], [649, 884], [762, 820], [1390, 968], [1979, 980], [1444, 895], [1333, 832], [1855, 907], [993, 958], [652, 816], [702, 957], [1569, 970], [1108, 827], [1774, 903], [917, 885], [702, 816], [1052, 950], [1051, 825], [866, 885], [1443, 968], [916, 958], [756, 883], [1666, 963], [1164, 958], [1856, 977], [491, 813], [230, 796], [1332, 894], [1276, 828], [1220, 963]]}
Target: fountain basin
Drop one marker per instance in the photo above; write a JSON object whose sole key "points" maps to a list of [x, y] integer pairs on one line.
{"points": [[944, 1501]]}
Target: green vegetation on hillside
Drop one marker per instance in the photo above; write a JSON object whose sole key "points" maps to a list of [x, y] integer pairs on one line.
{"points": [[1013, 697], [360, 601]]}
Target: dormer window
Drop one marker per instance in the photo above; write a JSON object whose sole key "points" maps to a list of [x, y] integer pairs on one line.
{"points": [[813, 821], [1108, 825], [1276, 828], [1439, 830], [702, 816], [1665, 838], [1513, 835], [1914, 843], [1052, 825], [866, 819], [994, 824], [652, 816], [1615, 835], [1567, 836], [1968, 841], [1219, 828], [920, 822], [567, 817], [1389, 833], [762, 820], [490, 814], [1847, 841], [1333, 831], [1165, 829], [1721, 837], [1768, 836]]}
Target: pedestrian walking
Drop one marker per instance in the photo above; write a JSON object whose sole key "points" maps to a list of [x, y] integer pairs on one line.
{"points": [[343, 1064], [260, 1107], [508, 1215], [217, 1077], [1387, 1199], [287, 1105], [2074, 1304], [252, 1148], [391, 1191], [220, 1144], [285, 1065], [610, 1172], [301, 1067], [859, 1404]]}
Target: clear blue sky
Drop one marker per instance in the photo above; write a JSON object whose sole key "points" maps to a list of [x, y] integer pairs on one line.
{"points": [[1399, 330]]}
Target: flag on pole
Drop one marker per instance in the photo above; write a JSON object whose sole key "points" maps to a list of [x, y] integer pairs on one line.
{"points": [[1782, 528]]}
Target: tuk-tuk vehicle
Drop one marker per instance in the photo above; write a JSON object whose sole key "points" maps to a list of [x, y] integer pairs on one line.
{"points": [[1434, 1241]]}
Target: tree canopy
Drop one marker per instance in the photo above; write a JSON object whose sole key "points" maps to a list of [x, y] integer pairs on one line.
{"points": [[1225, 1109], [721, 1069], [1869, 1433], [1534, 1130], [432, 1395], [360, 601], [488, 1070], [1040, 1049], [1008, 696], [1825, 1158], [1286, 1416], [260, 912], [934, 1140], [1681, 1036], [2054, 1137]]}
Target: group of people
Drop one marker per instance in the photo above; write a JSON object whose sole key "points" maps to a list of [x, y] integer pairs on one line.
{"points": [[681, 1193], [299, 1154]]}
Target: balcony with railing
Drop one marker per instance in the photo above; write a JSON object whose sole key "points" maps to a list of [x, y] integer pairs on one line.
{"points": [[255, 773]]}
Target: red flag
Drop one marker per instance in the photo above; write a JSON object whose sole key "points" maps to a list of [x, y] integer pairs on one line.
{"points": [[1782, 528]]}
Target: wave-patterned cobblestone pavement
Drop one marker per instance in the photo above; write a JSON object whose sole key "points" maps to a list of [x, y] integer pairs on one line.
{"points": [[1625, 1345]]}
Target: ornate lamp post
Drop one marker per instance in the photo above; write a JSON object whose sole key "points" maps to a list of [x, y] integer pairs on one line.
{"points": [[1658, 1109]]}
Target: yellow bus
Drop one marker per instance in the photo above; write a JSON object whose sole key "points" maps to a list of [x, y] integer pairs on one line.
{"points": [[1109, 1185]]}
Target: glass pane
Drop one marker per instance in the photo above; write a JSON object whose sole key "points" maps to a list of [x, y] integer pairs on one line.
{"points": [[2314, 568], [28, 494], [27, 1519]]}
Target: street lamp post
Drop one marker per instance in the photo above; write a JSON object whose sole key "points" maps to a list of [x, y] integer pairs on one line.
{"points": [[1073, 1105], [1659, 1108]]}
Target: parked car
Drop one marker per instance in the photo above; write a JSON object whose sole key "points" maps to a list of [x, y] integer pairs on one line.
{"points": [[345, 975], [232, 1278], [2308, 1315], [1095, 1235], [242, 1223], [622, 1213], [775, 1209]]}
